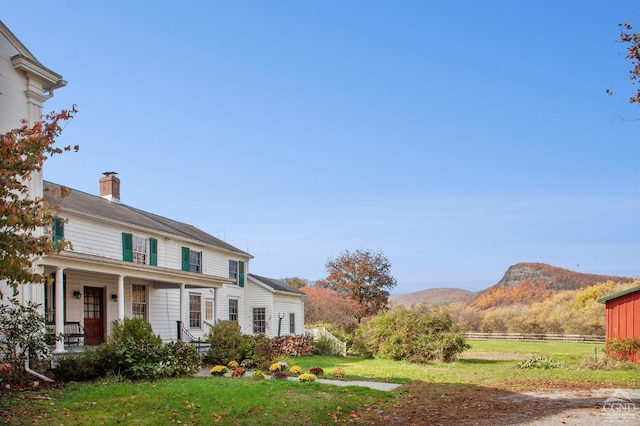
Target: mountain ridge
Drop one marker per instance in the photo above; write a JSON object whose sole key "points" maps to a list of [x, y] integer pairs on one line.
{"points": [[522, 283]]}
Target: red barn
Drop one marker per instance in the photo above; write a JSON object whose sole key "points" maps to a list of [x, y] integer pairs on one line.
{"points": [[623, 316]]}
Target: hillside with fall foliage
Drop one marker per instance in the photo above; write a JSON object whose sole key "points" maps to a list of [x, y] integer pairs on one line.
{"points": [[433, 297], [526, 283]]}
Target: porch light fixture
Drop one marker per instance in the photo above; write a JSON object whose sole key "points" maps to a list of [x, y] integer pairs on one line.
{"points": [[77, 294], [114, 297]]}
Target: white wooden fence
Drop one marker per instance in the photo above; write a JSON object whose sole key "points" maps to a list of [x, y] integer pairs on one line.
{"points": [[523, 337], [338, 346]]}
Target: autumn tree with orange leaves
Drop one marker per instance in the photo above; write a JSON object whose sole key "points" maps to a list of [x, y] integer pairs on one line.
{"points": [[363, 277], [633, 53], [23, 217]]}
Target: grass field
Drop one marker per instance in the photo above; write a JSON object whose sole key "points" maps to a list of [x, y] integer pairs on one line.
{"points": [[243, 401]]}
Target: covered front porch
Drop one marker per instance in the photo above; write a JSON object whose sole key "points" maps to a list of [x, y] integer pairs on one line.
{"points": [[96, 292]]}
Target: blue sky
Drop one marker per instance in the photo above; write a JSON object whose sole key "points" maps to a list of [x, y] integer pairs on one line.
{"points": [[458, 138]]}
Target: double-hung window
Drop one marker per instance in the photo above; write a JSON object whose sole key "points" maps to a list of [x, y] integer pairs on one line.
{"points": [[292, 323], [139, 301], [233, 309], [137, 249], [195, 310], [259, 320], [236, 272], [191, 260]]}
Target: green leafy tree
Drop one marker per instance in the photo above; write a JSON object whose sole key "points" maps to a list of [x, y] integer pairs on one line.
{"points": [[22, 217], [362, 276]]}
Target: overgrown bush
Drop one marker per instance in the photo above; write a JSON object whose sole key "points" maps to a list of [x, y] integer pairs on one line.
{"points": [[259, 348], [623, 349], [226, 343], [22, 337], [419, 334]]}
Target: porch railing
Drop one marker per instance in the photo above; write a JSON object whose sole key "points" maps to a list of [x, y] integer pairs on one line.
{"points": [[185, 335]]}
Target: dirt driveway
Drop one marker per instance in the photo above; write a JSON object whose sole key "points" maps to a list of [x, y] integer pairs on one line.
{"points": [[422, 403]]}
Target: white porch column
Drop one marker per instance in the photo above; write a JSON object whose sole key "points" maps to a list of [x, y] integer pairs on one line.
{"points": [[182, 297], [59, 312], [121, 297]]}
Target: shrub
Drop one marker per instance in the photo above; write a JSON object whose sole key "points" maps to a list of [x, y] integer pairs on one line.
{"points": [[133, 350], [76, 367], [623, 349], [218, 370], [307, 377], [323, 345], [295, 370], [280, 375], [338, 373], [232, 364], [258, 375], [179, 359], [226, 342], [419, 334], [22, 337], [540, 362], [316, 371], [259, 348]]}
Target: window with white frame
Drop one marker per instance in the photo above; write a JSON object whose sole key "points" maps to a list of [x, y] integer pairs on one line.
{"points": [[195, 311], [195, 261], [139, 301], [259, 320], [233, 269], [233, 309], [208, 310], [292, 323], [139, 250]]}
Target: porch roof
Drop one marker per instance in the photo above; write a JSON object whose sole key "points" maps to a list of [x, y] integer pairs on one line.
{"points": [[166, 276]]}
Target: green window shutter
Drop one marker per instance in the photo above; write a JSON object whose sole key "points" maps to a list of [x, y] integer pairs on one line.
{"points": [[127, 247], [153, 252], [185, 258], [58, 230], [241, 274]]}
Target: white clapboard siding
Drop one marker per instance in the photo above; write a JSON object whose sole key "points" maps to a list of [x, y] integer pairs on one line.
{"points": [[259, 297], [231, 291], [91, 237], [164, 312], [95, 238], [285, 304]]}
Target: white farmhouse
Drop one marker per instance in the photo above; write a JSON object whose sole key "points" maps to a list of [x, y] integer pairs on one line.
{"points": [[125, 262]]}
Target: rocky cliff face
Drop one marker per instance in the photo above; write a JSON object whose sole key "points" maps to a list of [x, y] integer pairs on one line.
{"points": [[533, 282]]}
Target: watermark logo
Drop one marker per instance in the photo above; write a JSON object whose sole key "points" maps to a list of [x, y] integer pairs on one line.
{"points": [[619, 402]]}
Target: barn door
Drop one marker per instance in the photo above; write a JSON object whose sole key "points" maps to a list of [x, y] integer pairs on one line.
{"points": [[94, 315]]}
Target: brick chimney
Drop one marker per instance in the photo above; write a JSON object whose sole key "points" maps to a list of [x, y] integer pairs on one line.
{"points": [[110, 187]]}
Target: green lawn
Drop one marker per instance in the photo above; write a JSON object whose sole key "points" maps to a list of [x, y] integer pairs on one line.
{"points": [[243, 401]]}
